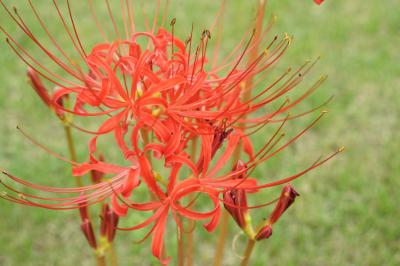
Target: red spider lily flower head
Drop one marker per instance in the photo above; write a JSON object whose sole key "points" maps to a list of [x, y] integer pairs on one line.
{"points": [[318, 1], [286, 199], [158, 99]]}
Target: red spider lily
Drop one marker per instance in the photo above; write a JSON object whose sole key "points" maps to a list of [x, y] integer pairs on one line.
{"points": [[157, 100], [318, 1]]}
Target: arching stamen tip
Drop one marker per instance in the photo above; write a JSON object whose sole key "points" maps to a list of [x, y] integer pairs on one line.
{"points": [[341, 149], [173, 21], [15, 10], [288, 38], [324, 111], [4, 194], [207, 33]]}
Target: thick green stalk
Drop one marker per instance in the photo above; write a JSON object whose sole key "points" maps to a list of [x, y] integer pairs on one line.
{"points": [[248, 252]]}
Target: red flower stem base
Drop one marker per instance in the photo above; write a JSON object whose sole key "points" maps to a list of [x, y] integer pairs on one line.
{"points": [[248, 252]]}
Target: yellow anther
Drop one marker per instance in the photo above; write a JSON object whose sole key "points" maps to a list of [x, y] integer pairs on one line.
{"points": [[288, 38], [323, 77], [157, 175], [156, 112], [159, 178], [341, 149], [139, 92], [266, 51], [157, 94]]}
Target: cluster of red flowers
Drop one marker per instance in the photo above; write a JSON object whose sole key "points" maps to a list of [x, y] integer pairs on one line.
{"points": [[161, 98]]}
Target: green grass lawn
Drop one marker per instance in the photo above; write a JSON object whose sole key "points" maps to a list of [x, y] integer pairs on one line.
{"points": [[347, 213]]}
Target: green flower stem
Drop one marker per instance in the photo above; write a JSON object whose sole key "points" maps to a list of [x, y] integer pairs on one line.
{"points": [[248, 252]]}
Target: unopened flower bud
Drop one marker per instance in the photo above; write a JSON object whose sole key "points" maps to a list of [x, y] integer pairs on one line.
{"points": [[87, 230], [235, 200], [109, 222], [96, 176], [286, 199], [264, 233], [38, 86], [235, 203]]}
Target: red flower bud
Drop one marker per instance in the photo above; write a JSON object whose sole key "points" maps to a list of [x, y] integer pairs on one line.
{"points": [[220, 135], [235, 200], [286, 199], [103, 224], [83, 211], [109, 222], [96, 176], [264, 233], [113, 219], [38, 86], [318, 1], [87, 230]]}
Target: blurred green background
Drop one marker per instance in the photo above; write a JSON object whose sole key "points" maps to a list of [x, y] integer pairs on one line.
{"points": [[348, 211]]}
